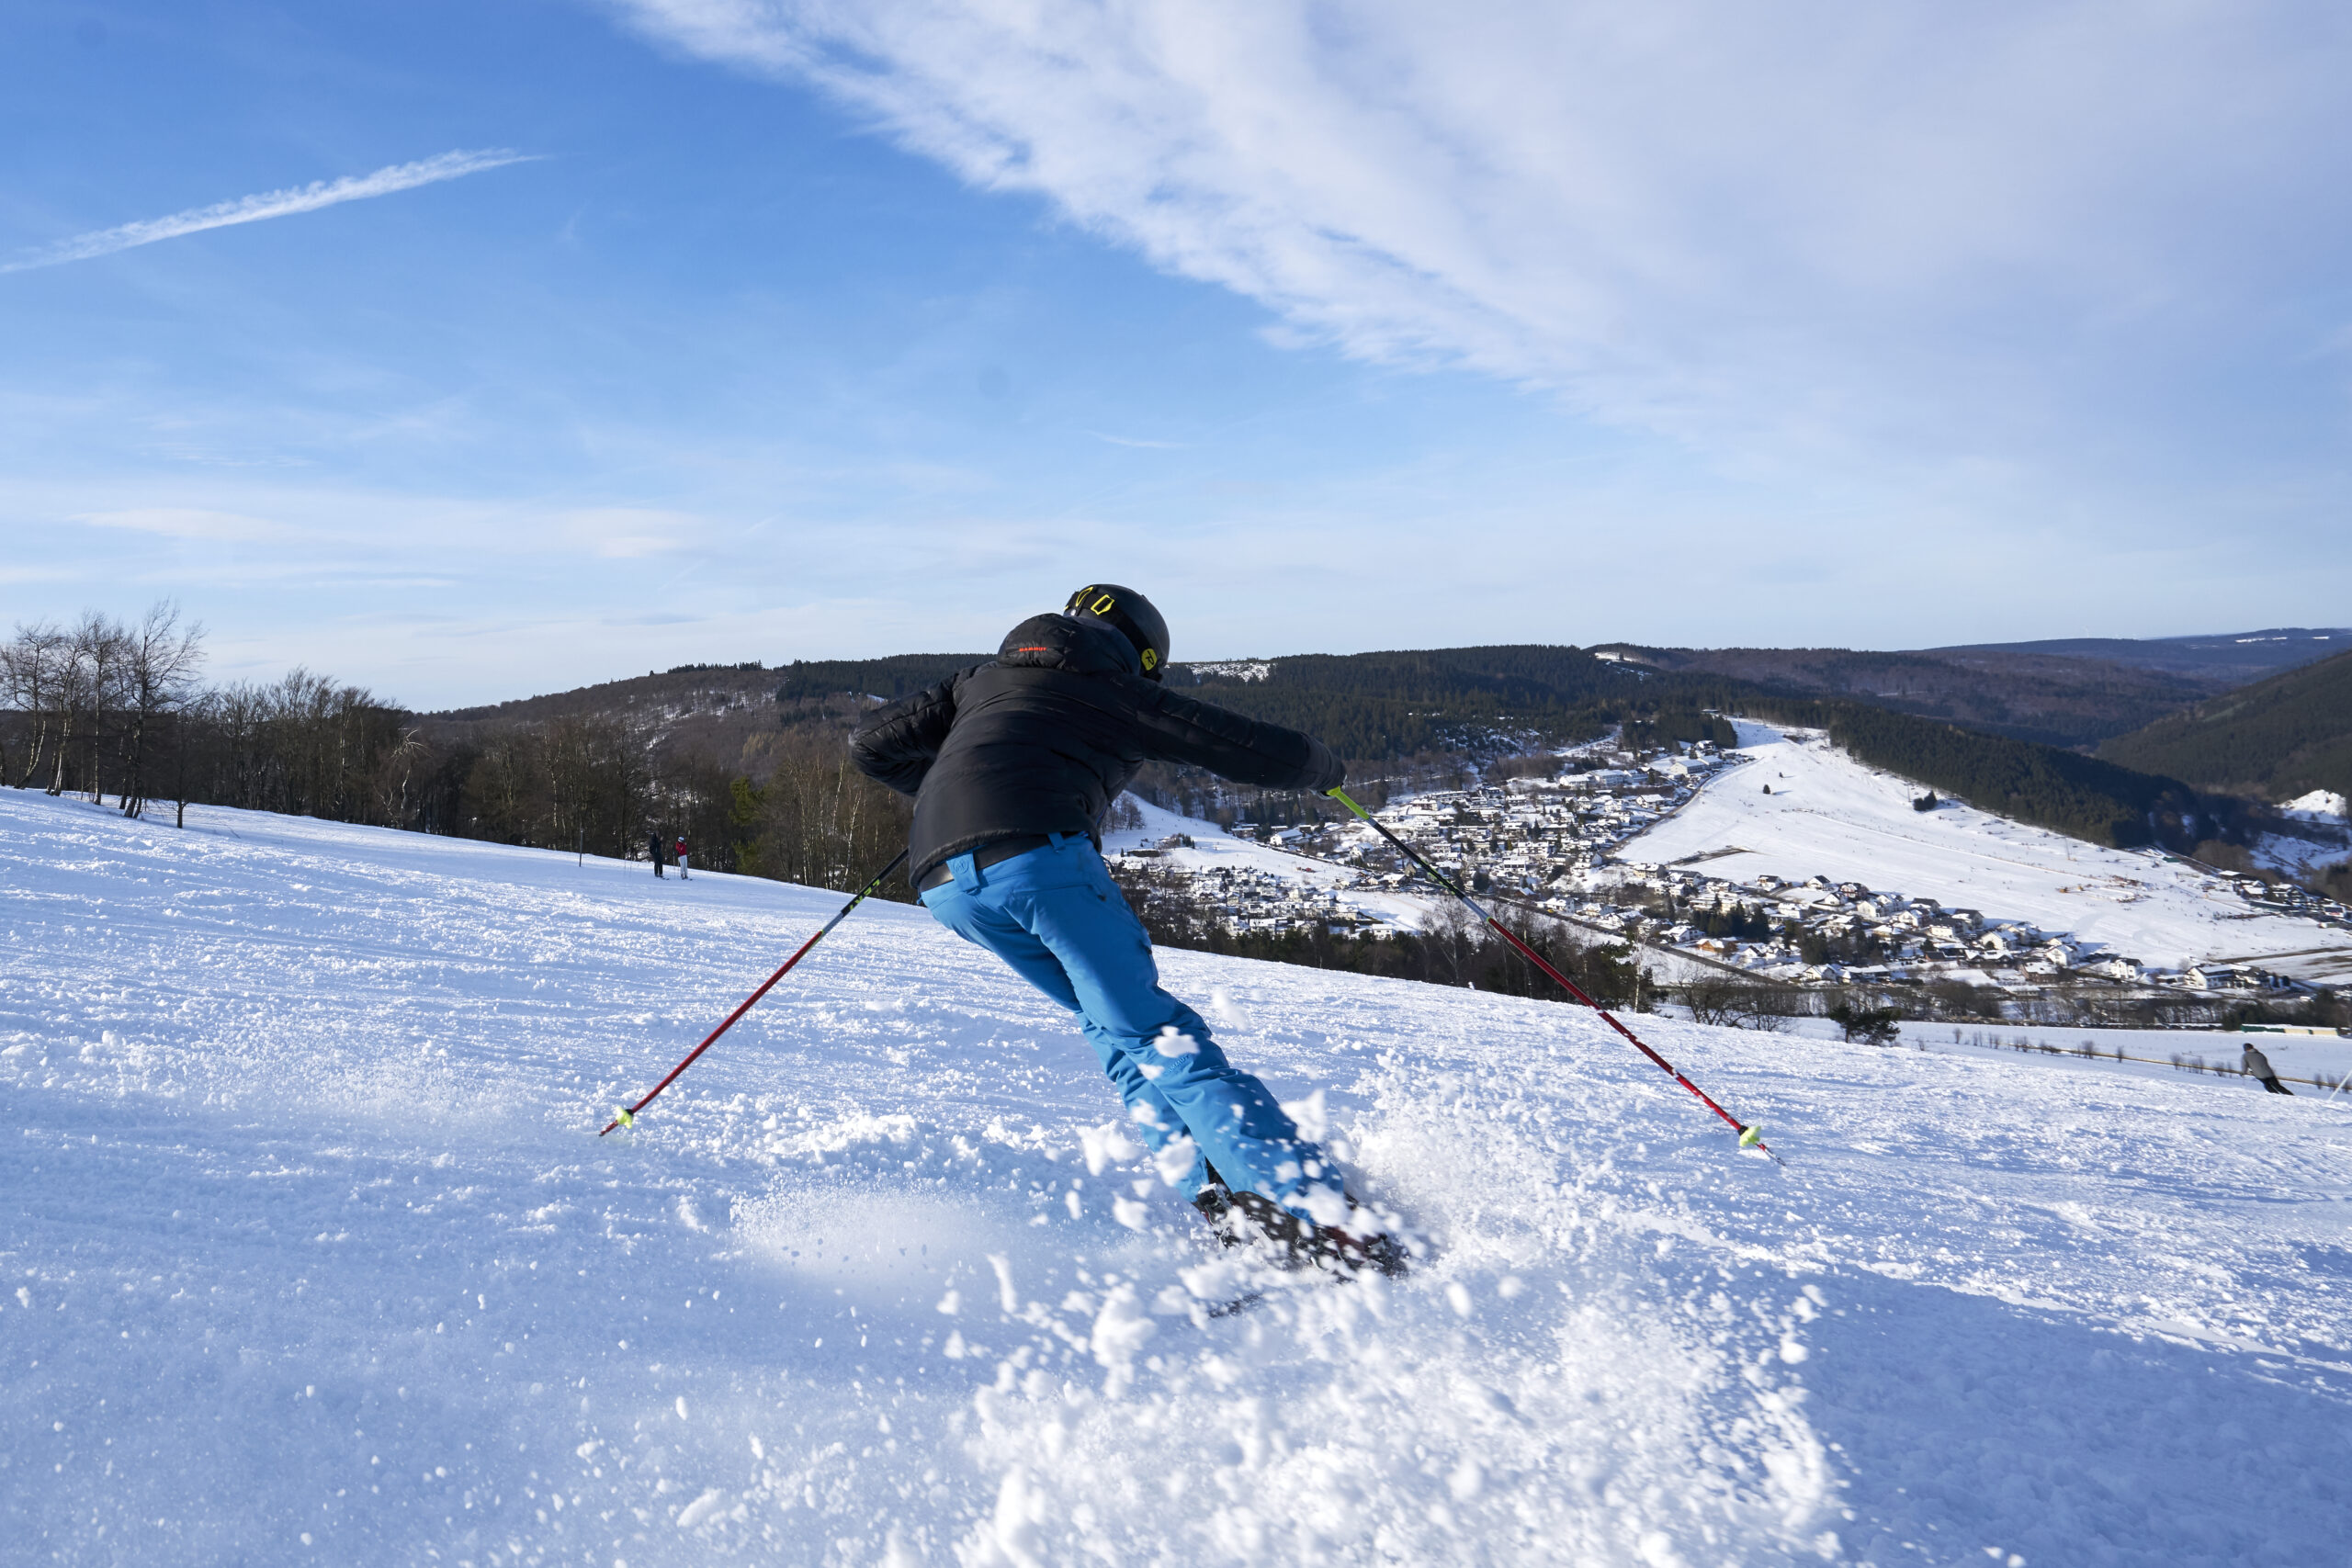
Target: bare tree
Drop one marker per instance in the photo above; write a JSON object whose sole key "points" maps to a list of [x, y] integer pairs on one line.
{"points": [[98, 648], [73, 690], [31, 672], [396, 775], [816, 820], [1740, 1004], [197, 716], [160, 662]]}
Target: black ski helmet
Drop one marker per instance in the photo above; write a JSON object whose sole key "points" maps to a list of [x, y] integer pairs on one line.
{"points": [[1131, 613]]}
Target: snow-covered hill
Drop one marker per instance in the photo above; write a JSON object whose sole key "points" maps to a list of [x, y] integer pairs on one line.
{"points": [[1214, 850], [311, 1255], [1828, 815]]}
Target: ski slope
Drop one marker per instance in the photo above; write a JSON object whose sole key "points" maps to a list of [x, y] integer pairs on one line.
{"points": [[311, 1255], [1830, 816]]}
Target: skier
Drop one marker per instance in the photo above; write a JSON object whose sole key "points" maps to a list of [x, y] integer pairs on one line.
{"points": [[1012, 764], [653, 850], [2257, 1067], [681, 857]]}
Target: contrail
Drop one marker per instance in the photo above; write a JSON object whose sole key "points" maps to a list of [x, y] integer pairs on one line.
{"points": [[269, 204]]}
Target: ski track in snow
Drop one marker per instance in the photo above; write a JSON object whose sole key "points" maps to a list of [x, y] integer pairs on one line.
{"points": [[312, 1254]]}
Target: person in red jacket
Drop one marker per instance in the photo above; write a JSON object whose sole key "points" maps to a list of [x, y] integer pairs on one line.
{"points": [[681, 857]]}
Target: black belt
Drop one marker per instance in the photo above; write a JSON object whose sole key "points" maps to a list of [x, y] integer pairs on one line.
{"points": [[992, 853]]}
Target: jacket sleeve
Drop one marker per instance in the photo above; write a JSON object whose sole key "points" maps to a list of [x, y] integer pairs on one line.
{"points": [[1181, 730], [897, 746]]}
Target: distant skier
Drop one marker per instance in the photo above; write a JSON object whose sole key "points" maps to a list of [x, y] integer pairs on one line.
{"points": [[2258, 1067], [681, 857], [1012, 764], [653, 850]]}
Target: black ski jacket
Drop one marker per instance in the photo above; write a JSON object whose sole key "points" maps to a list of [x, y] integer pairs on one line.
{"points": [[1044, 736]]}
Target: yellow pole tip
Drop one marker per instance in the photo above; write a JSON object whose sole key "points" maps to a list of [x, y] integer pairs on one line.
{"points": [[1750, 1136], [625, 1117]]}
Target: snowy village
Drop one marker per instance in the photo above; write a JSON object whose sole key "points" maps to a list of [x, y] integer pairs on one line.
{"points": [[1570, 847]]}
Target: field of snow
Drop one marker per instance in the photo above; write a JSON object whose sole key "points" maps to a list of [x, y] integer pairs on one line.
{"points": [[2321, 844], [311, 1254], [2305, 1060], [1830, 816]]}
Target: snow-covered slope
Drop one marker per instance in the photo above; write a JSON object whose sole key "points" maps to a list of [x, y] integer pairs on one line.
{"points": [[311, 1255], [1214, 849], [1828, 815]]}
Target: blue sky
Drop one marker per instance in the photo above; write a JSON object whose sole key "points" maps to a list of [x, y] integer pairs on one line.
{"points": [[801, 330]]}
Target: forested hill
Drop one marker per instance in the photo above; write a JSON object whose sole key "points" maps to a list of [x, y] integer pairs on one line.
{"points": [[2072, 691], [1404, 703], [1399, 704], [2059, 699], [2230, 658], [2278, 738], [1367, 705], [1483, 702], [898, 676]]}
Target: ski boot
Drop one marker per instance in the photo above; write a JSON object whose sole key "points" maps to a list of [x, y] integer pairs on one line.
{"points": [[1241, 1217]]}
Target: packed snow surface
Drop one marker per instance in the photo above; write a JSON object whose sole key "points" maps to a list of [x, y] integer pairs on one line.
{"points": [[312, 1254], [1830, 816]]}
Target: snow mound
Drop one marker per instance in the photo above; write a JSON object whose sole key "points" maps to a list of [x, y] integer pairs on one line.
{"points": [[2324, 805], [312, 1252]]}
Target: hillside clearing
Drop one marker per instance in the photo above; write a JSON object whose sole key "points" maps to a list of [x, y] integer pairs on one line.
{"points": [[1829, 816]]}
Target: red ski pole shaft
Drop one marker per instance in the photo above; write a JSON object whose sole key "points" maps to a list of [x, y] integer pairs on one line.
{"points": [[1748, 1136], [629, 1114]]}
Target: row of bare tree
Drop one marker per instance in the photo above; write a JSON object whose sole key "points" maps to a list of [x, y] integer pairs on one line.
{"points": [[93, 696], [817, 820], [100, 707]]}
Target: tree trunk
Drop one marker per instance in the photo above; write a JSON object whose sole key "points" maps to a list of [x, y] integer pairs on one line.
{"points": [[40, 745], [64, 744], [134, 789]]}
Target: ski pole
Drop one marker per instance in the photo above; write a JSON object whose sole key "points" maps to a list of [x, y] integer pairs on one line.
{"points": [[626, 1116], [1751, 1136]]}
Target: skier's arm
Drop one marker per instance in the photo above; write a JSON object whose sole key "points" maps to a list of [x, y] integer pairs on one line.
{"points": [[1230, 745], [897, 746]]}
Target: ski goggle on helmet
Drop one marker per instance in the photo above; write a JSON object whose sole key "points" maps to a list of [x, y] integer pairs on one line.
{"points": [[1131, 614]]}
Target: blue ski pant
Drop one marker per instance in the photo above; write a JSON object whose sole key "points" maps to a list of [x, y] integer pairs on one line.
{"points": [[1056, 916]]}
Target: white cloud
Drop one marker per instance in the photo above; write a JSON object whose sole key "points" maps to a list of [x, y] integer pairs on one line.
{"points": [[1979, 234], [629, 533], [269, 204], [189, 523], [1138, 442]]}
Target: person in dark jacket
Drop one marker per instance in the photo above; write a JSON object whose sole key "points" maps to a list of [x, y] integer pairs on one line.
{"points": [[1012, 764], [2257, 1067], [653, 850]]}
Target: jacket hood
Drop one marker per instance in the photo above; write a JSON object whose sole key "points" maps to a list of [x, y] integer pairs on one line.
{"points": [[1061, 642]]}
